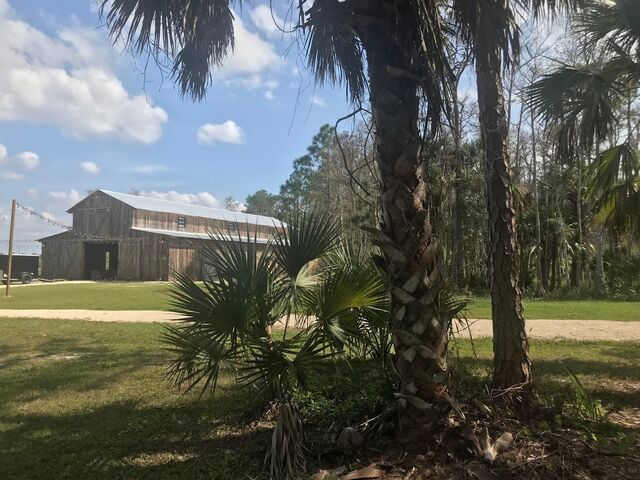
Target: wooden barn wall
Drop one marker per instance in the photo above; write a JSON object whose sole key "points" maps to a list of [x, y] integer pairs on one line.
{"points": [[143, 258], [102, 215], [169, 221], [62, 258], [184, 258]]}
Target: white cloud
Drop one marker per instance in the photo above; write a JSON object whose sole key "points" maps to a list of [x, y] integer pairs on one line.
{"points": [[49, 215], [318, 101], [266, 21], [227, 132], [90, 168], [32, 192], [269, 95], [253, 62], [65, 80], [11, 176], [202, 198], [65, 198], [28, 160], [146, 168], [3, 151]]}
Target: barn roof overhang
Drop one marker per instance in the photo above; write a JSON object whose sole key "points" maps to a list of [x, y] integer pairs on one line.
{"points": [[202, 236]]}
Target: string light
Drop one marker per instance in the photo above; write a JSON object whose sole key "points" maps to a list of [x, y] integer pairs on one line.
{"points": [[42, 218]]}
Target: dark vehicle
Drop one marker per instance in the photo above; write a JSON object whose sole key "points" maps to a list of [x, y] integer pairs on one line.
{"points": [[24, 268]]}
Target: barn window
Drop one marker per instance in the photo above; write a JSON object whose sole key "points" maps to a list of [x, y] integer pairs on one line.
{"points": [[231, 227], [182, 222]]}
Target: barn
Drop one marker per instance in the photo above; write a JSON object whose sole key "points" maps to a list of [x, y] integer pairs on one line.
{"points": [[120, 236]]}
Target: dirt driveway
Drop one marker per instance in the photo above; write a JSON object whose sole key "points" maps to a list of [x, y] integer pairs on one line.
{"points": [[572, 329]]}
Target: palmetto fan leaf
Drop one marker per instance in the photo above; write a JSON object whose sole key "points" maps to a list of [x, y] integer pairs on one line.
{"points": [[195, 34], [344, 297], [583, 99], [273, 364], [341, 33], [334, 52], [221, 308], [308, 236], [199, 356], [614, 24], [613, 183]]}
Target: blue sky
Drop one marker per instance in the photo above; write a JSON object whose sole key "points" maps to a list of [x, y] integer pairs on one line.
{"points": [[77, 114]]}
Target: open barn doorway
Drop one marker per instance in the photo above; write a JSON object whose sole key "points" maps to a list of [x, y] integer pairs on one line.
{"points": [[100, 261]]}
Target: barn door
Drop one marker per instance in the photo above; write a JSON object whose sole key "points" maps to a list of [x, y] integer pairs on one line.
{"points": [[183, 260]]}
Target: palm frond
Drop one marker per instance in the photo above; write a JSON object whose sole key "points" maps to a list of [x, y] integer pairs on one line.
{"points": [[488, 25], [343, 299], [198, 357], [581, 99], [223, 309], [196, 35], [308, 237], [613, 184], [613, 24], [334, 52], [273, 364]]}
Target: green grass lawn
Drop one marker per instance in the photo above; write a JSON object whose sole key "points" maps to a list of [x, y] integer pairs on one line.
{"points": [[480, 307], [92, 296], [154, 296], [83, 400]]}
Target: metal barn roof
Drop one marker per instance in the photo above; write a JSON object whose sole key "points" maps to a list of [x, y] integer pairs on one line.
{"points": [[158, 205], [201, 236]]}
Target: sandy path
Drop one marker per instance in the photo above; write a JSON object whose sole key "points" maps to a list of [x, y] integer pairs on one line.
{"points": [[126, 316], [573, 329]]}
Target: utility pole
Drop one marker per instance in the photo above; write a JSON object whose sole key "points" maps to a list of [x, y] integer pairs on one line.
{"points": [[10, 257]]}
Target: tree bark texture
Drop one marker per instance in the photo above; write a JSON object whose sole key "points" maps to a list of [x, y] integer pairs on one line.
{"points": [[510, 344], [407, 238]]}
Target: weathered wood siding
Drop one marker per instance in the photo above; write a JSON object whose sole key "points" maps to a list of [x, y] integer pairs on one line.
{"points": [[102, 215], [62, 257], [169, 221], [184, 259]]}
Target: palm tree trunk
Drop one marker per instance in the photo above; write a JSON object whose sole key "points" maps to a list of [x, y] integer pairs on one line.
{"points": [[420, 334], [510, 344]]}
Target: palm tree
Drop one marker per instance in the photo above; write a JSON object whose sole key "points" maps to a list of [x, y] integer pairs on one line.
{"points": [[491, 29], [228, 321], [403, 44]]}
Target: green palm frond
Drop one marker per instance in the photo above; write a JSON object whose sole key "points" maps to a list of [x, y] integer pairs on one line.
{"points": [[308, 237], [334, 52], [222, 308], [613, 184], [581, 99], [614, 24], [198, 357], [487, 25], [273, 364], [345, 297], [196, 35]]}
